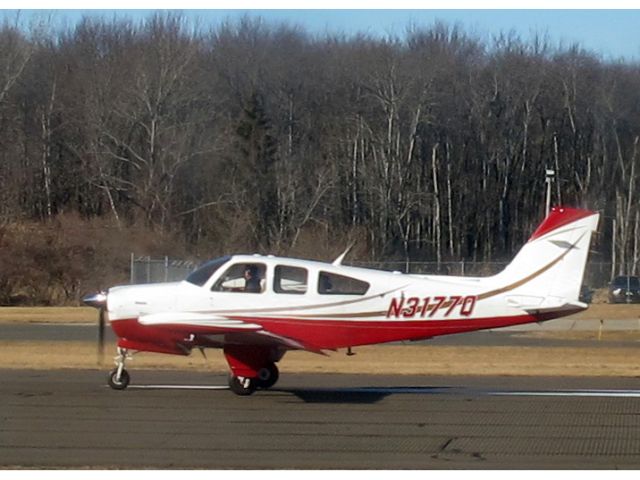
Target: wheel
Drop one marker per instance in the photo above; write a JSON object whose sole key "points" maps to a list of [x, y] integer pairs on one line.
{"points": [[119, 384], [242, 385], [267, 376]]}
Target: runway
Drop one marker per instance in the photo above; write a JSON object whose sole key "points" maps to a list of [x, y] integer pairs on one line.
{"points": [[70, 419]]}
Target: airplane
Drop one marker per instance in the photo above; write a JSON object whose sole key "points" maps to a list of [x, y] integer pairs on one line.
{"points": [[256, 308]]}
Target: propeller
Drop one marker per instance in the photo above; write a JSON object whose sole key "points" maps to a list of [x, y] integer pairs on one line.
{"points": [[98, 300]]}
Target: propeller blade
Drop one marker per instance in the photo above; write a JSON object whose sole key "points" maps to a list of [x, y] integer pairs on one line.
{"points": [[101, 323], [98, 300]]}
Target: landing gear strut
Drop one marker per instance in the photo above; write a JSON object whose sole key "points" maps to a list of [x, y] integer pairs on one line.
{"points": [[119, 377]]}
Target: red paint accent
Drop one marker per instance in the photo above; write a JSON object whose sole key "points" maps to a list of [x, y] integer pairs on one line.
{"points": [[332, 334], [132, 332], [395, 307], [438, 304], [412, 307], [559, 217]]}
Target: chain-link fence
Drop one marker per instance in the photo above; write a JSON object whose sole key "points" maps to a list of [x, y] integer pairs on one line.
{"points": [[596, 275], [165, 269], [158, 270], [436, 268]]}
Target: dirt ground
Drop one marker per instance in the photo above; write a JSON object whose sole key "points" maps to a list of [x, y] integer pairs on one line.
{"points": [[48, 315], [607, 311], [388, 359]]}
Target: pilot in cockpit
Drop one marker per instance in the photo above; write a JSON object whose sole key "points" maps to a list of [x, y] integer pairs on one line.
{"points": [[252, 279]]}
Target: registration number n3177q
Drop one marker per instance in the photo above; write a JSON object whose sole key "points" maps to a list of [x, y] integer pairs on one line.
{"points": [[416, 307]]}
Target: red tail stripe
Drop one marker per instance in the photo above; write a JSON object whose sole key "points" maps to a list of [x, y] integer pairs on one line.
{"points": [[559, 217]]}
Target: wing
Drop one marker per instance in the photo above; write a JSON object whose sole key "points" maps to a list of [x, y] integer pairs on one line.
{"points": [[221, 330], [199, 320]]}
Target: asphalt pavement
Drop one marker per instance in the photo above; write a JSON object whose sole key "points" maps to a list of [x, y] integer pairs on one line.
{"points": [[70, 419]]}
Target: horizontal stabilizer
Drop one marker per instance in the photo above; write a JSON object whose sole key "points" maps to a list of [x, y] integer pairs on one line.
{"points": [[558, 307]]}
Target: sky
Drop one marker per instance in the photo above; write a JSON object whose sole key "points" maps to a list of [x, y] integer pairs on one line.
{"points": [[612, 34]]}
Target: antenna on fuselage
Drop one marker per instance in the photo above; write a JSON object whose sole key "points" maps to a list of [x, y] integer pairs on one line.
{"points": [[338, 261]]}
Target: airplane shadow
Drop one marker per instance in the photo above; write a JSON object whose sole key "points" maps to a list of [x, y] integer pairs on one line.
{"points": [[363, 395], [360, 395], [370, 395]]}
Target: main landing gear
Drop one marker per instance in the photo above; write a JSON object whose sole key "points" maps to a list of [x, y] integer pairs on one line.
{"points": [[119, 377], [267, 378], [251, 369]]}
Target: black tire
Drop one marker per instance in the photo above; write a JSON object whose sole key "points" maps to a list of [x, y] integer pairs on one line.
{"points": [[243, 387], [267, 376], [119, 384]]}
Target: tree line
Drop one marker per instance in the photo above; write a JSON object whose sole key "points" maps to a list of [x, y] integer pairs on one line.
{"points": [[257, 137]]}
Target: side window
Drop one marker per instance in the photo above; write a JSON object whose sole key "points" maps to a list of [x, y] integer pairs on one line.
{"points": [[242, 277], [334, 284], [290, 280]]}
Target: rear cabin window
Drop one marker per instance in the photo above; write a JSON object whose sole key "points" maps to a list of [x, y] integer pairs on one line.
{"points": [[290, 280], [334, 284]]}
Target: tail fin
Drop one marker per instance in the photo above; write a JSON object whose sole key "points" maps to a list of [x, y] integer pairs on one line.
{"points": [[547, 272]]}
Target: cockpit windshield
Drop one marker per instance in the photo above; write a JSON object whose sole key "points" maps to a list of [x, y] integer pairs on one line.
{"points": [[200, 276]]}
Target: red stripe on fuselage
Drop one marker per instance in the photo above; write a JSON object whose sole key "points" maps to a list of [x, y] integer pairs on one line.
{"points": [[328, 334]]}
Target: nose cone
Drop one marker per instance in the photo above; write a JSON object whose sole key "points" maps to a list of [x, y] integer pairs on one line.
{"points": [[96, 300]]}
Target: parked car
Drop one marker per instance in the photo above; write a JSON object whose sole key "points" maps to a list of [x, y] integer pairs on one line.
{"points": [[624, 289]]}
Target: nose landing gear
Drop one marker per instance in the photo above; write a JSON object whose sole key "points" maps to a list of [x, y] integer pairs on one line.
{"points": [[118, 377], [118, 381]]}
